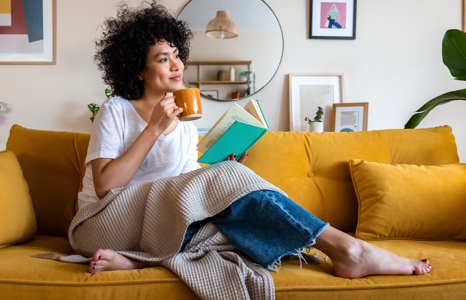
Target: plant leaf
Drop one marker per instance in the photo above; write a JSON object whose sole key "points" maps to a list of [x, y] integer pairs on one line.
{"points": [[422, 112], [94, 108], [454, 53], [109, 93]]}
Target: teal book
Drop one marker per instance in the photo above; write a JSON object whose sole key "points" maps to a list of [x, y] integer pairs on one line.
{"points": [[238, 139]]}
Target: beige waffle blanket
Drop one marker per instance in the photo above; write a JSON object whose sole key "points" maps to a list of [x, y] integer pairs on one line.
{"points": [[148, 222]]}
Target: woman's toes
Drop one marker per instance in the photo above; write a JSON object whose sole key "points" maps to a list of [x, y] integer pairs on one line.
{"points": [[96, 262], [423, 268], [97, 255]]}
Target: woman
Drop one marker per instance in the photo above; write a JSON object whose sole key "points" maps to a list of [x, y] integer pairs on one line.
{"points": [[142, 56], [333, 16]]}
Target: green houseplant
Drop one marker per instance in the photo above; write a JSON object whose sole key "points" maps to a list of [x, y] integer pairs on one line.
{"points": [[454, 57], [316, 125], [94, 108], [247, 75]]}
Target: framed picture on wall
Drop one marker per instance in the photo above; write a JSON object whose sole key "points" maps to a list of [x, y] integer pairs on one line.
{"points": [[28, 32], [308, 91], [210, 93], [350, 117], [332, 20]]}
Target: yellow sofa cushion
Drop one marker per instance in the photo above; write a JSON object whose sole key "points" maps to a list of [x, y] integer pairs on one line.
{"points": [[25, 277], [53, 166], [17, 217], [409, 201]]}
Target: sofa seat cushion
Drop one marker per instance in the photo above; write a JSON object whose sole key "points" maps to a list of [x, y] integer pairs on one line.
{"points": [[25, 277]]}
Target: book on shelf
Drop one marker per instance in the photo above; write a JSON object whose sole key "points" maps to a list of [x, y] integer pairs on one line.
{"points": [[235, 132]]}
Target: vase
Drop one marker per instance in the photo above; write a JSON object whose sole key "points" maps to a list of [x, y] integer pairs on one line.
{"points": [[222, 75], [232, 74], [316, 127]]}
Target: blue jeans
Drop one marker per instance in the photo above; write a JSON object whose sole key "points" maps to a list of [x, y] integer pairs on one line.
{"points": [[332, 22], [266, 226]]}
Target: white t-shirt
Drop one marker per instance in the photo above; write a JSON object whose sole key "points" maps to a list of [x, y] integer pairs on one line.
{"points": [[116, 127]]}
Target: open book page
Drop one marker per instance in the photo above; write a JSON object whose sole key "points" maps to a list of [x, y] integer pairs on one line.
{"points": [[252, 108], [234, 113]]}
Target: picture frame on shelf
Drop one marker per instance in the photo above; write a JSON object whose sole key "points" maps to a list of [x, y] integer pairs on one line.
{"points": [[28, 33], [332, 20], [210, 93], [350, 117], [308, 91]]}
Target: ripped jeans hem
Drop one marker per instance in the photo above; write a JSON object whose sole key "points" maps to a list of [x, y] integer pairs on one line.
{"points": [[276, 265]]}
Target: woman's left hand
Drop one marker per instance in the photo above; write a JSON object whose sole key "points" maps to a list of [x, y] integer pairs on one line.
{"points": [[241, 160]]}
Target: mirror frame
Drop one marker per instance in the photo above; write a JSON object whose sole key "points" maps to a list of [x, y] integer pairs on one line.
{"points": [[279, 63]]}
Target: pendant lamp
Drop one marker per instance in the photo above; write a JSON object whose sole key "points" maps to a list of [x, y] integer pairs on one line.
{"points": [[222, 27]]}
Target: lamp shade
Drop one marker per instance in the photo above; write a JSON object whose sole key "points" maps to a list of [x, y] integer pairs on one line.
{"points": [[222, 26]]}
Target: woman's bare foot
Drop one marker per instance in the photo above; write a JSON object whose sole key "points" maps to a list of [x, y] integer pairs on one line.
{"points": [[362, 259], [109, 260], [354, 258]]}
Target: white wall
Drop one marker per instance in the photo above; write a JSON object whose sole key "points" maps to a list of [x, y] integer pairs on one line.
{"points": [[394, 64]]}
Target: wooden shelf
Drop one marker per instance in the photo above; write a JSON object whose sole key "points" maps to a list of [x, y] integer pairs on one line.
{"points": [[223, 85], [218, 82], [221, 62]]}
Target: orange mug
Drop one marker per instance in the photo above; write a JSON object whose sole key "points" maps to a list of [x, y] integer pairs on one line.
{"points": [[190, 101]]}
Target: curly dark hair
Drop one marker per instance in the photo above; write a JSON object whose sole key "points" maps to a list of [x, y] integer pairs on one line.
{"points": [[122, 51]]}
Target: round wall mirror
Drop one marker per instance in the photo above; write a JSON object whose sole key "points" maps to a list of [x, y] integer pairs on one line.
{"points": [[236, 50]]}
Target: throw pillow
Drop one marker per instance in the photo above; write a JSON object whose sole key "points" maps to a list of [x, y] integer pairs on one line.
{"points": [[410, 201], [17, 217]]}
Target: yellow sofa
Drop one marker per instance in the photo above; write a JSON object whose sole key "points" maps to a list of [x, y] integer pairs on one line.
{"points": [[312, 168]]}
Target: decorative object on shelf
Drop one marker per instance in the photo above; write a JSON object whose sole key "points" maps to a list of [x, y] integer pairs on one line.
{"points": [[235, 95], [222, 75], [316, 125], [222, 27], [232, 74], [453, 54], [308, 91], [350, 117], [332, 20], [252, 16], [210, 93], [246, 76], [28, 32]]}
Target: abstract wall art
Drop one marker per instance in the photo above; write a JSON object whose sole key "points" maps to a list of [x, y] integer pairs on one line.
{"points": [[27, 31]]}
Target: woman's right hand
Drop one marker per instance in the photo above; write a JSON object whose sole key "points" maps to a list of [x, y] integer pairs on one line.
{"points": [[163, 114]]}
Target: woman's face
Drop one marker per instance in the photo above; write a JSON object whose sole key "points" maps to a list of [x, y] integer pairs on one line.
{"points": [[164, 69]]}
